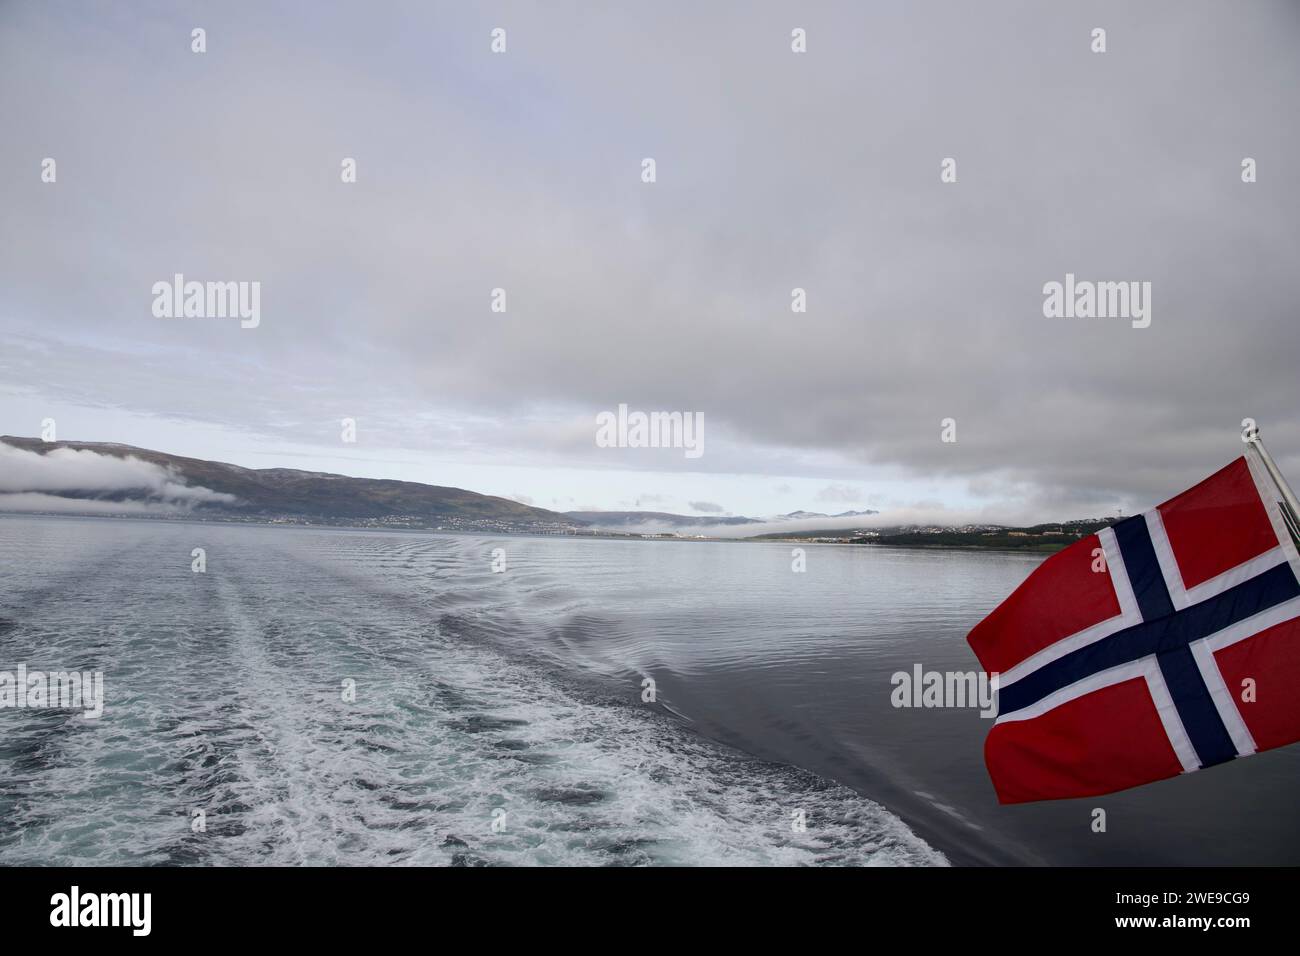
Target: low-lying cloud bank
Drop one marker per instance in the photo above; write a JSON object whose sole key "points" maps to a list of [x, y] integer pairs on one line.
{"points": [[920, 515], [749, 529], [81, 481], [37, 503]]}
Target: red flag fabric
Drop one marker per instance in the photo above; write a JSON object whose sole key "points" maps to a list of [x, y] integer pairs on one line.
{"points": [[1163, 644]]}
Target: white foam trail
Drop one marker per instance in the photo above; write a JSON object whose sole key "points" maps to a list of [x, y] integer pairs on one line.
{"points": [[224, 694]]}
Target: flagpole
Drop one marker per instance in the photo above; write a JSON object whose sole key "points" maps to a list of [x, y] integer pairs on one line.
{"points": [[1288, 496]]}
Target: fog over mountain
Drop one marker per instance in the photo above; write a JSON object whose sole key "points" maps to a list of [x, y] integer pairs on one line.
{"points": [[83, 477], [720, 526], [115, 479]]}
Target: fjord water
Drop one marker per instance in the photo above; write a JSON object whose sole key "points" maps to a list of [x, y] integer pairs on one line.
{"points": [[515, 699]]}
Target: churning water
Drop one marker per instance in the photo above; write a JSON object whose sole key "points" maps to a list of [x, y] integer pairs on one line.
{"points": [[499, 717]]}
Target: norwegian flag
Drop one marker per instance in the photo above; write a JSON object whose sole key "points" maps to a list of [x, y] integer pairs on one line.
{"points": [[1165, 643]]}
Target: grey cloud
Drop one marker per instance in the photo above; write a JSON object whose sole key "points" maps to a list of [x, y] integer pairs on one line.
{"points": [[706, 507], [38, 503], [839, 493], [818, 171], [88, 473]]}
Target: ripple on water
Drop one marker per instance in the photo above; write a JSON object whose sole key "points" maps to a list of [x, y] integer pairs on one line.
{"points": [[452, 752]]}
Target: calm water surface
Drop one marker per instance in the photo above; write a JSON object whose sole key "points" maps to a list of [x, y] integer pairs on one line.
{"points": [[515, 699]]}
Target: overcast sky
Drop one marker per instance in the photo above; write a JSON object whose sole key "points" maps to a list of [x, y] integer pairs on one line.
{"points": [[522, 170]]}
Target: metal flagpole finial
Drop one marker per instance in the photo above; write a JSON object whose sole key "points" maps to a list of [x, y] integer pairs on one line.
{"points": [[1253, 440]]}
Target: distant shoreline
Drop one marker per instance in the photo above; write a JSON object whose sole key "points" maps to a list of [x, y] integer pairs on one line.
{"points": [[1011, 541]]}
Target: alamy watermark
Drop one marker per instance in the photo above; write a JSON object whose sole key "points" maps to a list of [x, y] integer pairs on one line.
{"points": [[75, 908], [922, 688], [53, 690], [1084, 299], [179, 299], [624, 429]]}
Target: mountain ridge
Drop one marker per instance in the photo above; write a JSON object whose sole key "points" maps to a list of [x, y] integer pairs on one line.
{"points": [[291, 495], [288, 493]]}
